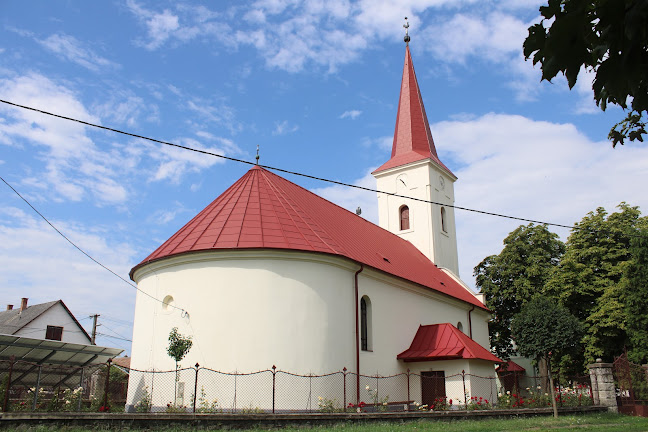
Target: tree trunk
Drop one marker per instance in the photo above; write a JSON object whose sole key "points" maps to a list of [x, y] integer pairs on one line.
{"points": [[544, 376], [175, 385], [553, 390]]}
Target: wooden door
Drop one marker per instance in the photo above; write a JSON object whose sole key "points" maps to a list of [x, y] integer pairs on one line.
{"points": [[432, 386]]}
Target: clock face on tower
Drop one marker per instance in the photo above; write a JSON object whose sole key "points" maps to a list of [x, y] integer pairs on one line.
{"points": [[441, 182]]}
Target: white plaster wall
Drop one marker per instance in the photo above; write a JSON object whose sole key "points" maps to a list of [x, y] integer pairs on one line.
{"points": [[421, 180], [55, 316], [249, 310]]}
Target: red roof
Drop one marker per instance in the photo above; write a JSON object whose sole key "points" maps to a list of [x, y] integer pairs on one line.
{"points": [[264, 210], [412, 137], [444, 342], [510, 366]]}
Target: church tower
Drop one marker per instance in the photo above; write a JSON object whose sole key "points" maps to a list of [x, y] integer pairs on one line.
{"points": [[415, 170]]}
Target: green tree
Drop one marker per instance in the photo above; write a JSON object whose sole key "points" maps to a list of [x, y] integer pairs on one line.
{"points": [[514, 277], [635, 297], [608, 37], [588, 280], [544, 330], [179, 346]]}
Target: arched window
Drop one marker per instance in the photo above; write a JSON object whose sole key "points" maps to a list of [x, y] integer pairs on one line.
{"points": [[365, 324], [443, 220], [404, 218], [460, 326]]}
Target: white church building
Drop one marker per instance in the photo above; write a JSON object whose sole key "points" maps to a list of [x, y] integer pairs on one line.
{"points": [[271, 274]]}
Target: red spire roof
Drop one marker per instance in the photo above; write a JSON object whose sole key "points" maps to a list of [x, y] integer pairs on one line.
{"points": [[444, 342], [264, 210], [412, 137]]}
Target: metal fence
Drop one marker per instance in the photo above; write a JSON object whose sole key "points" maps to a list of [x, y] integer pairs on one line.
{"points": [[31, 387]]}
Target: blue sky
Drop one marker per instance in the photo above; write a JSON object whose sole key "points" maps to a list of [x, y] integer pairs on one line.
{"points": [[313, 83]]}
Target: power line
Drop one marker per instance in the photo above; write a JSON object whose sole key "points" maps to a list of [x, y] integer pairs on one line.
{"points": [[113, 337], [81, 250], [284, 170]]}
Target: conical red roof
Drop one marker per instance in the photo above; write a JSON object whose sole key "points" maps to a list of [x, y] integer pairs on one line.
{"points": [[264, 210], [412, 137]]}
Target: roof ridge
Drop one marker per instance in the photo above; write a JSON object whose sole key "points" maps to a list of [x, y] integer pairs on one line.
{"points": [[233, 192], [301, 217], [247, 202]]}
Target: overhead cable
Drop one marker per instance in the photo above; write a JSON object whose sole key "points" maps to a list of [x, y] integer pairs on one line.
{"points": [[285, 170], [84, 252]]}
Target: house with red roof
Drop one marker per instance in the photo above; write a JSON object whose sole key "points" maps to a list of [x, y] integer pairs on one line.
{"points": [[270, 274]]}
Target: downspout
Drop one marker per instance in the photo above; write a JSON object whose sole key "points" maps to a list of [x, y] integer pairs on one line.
{"points": [[470, 321], [357, 334]]}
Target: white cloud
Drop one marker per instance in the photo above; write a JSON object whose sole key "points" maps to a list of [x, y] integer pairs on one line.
{"points": [[40, 265], [583, 87], [74, 50], [64, 146], [532, 169], [124, 107], [353, 114], [495, 37], [185, 24], [216, 111], [174, 162], [351, 198], [516, 166], [284, 128]]}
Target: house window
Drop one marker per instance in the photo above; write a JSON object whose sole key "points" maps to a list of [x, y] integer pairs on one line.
{"points": [[404, 218], [54, 333], [365, 324], [460, 326], [443, 220]]}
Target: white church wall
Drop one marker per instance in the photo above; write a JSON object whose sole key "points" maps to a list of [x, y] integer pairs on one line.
{"points": [[398, 309], [424, 181], [248, 311]]}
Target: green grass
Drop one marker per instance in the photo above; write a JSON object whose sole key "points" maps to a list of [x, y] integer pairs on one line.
{"points": [[591, 422]]}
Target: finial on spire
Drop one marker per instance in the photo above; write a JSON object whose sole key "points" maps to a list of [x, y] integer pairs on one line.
{"points": [[257, 156], [406, 26]]}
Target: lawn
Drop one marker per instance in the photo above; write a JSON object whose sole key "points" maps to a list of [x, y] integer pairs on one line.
{"points": [[592, 422]]}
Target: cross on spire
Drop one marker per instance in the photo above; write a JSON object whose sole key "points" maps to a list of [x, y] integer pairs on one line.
{"points": [[406, 27]]}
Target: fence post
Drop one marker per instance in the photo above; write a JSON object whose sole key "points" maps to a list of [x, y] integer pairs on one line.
{"points": [[80, 386], [344, 372], [104, 403], [408, 389], [274, 373], [37, 388], [603, 387], [463, 378], [5, 403], [196, 388]]}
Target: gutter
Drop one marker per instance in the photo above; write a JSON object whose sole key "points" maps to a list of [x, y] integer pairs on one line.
{"points": [[357, 334]]}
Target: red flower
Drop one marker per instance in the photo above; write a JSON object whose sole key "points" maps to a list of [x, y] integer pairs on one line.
{"points": [[450, 401], [104, 408], [362, 404]]}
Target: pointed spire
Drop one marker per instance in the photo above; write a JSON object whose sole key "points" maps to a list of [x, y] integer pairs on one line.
{"points": [[412, 137]]}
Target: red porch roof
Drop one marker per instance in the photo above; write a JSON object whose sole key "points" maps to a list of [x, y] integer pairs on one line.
{"points": [[444, 342], [510, 366], [264, 210]]}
